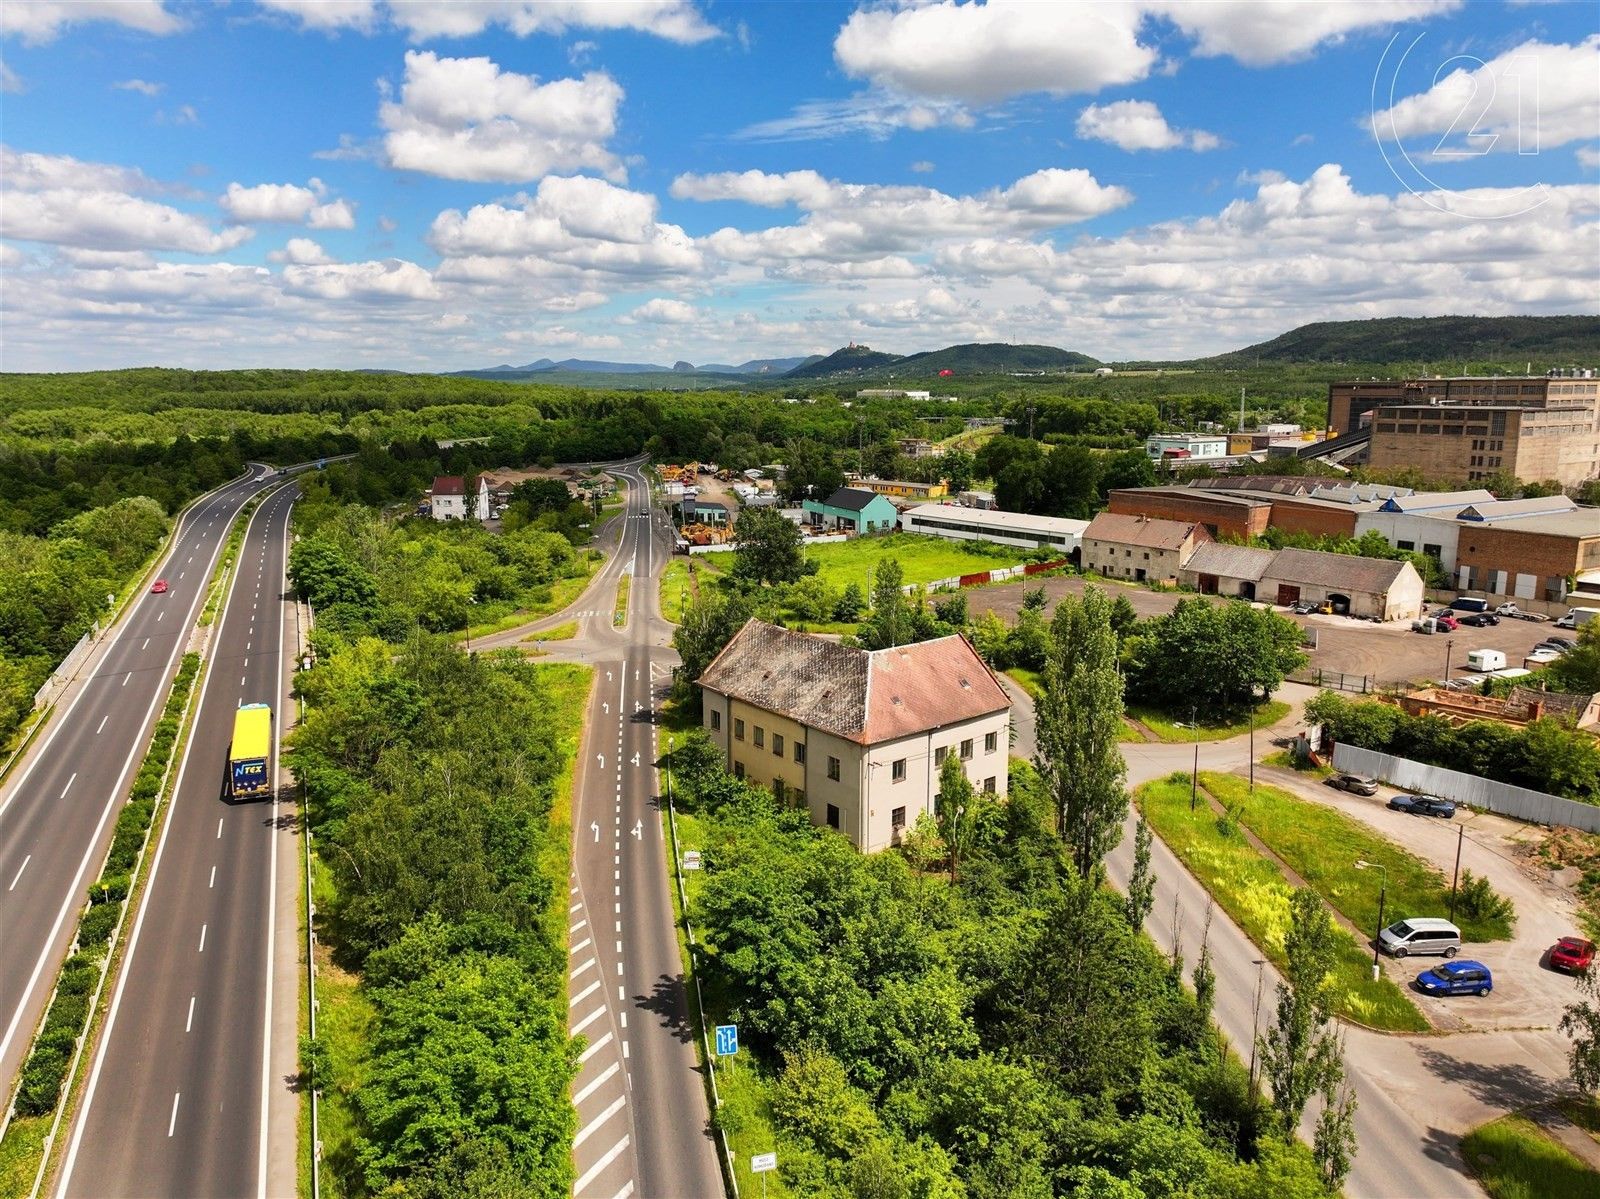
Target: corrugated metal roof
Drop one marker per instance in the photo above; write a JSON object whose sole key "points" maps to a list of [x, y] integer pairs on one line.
{"points": [[1342, 572], [1230, 561]]}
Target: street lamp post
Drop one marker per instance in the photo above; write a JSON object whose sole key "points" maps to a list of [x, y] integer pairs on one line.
{"points": [[1461, 834], [1194, 777], [1383, 891]]}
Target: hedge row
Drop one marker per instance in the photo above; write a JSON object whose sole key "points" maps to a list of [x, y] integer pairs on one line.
{"points": [[46, 1068]]}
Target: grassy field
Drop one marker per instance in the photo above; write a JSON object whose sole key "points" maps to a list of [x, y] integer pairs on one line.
{"points": [[676, 587], [923, 559], [1255, 893], [561, 632], [1032, 681], [1213, 726], [1322, 845], [1285, 760], [547, 600], [1514, 1159]]}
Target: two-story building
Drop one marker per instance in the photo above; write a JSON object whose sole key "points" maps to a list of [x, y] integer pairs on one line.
{"points": [[448, 499], [854, 509], [856, 737], [1142, 549]]}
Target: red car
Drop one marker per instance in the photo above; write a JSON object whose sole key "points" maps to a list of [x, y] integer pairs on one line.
{"points": [[159, 587], [1447, 622], [1571, 953]]}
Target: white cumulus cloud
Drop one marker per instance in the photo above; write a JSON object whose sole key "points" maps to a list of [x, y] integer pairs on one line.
{"points": [[666, 312], [1139, 125], [39, 21], [1534, 96], [1260, 33], [301, 251], [338, 214], [109, 221], [279, 202], [674, 20], [389, 279], [465, 118], [328, 15]]}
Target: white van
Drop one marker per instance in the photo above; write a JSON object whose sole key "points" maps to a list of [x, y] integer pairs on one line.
{"points": [[1421, 935], [1486, 660]]}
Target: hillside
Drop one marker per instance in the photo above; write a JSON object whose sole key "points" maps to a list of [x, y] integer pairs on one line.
{"points": [[995, 358], [852, 360], [1546, 341]]}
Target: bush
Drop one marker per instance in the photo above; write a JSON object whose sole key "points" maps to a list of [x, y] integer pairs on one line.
{"points": [[41, 1081], [97, 923], [113, 888], [77, 977], [1478, 901]]}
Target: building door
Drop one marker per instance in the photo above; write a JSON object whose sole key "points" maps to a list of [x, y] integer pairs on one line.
{"points": [[1341, 604], [1208, 584], [1247, 590], [833, 816], [1287, 595]]}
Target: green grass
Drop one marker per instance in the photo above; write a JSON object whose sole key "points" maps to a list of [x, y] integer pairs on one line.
{"points": [[1285, 760], [620, 617], [1032, 681], [676, 587], [1584, 1111], [561, 632], [1213, 726], [20, 1153], [1514, 1159], [1322, 845], [922, 559], [544, 601], [1254, 892]]}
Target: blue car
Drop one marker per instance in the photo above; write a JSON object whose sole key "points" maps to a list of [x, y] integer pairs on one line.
{"points": [[1456, 978]]}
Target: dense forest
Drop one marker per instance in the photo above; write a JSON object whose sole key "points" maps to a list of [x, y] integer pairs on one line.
{"points": [[1448, 342]]}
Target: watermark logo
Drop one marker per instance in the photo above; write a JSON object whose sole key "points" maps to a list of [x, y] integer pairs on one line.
{"points": [[1430, 130]]}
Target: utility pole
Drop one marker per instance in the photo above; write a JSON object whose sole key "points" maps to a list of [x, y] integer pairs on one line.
{"points": [[1241, 410], [1252, 751], [1461, 834], [1383, 891], [1449, 644], [1194, 778], [1030, 421], [1255, 1023]]}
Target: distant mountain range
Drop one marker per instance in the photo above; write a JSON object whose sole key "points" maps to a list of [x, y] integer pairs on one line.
{"points": [[1546, 341], [1439, 342]]}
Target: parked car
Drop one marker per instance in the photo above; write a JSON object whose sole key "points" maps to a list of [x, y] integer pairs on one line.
{"points": [[1561, 643], [1480, 620], [1447, 622], [1508, 610], [1572, 953], [1421, 934], [1423, 805], [1456, 978], [1303, 608], [1464, 603], [1359, 784], [1569, 621], [159, 587], [1542, 657], [1426, 625]]}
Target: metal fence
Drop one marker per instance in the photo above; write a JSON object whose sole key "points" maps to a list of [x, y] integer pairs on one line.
{"points": [[1335, 680], [1518, 802]]}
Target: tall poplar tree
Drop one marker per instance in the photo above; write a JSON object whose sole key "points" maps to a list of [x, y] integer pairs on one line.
{"points": [[1077, 723]]}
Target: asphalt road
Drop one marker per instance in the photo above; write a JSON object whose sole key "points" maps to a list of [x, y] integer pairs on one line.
{"points": [[177, 1102], [57, 814], [643, 1121]]}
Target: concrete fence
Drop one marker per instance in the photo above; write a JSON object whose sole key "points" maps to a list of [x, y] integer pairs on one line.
{"points": [[1517, 802], [68, 669]]}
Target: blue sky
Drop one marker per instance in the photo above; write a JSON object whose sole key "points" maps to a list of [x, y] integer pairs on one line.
{"points": [[435, 185]]}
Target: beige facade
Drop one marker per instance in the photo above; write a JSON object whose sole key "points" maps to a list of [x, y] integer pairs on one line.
{"points": [[871, 794], [1139, 548]]}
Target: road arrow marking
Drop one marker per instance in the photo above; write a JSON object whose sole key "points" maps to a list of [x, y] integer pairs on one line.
{"points": [[638, 829], [607, 707], [608, 676], [636, 707], [595, 825], [635, 759], [602, 758]]}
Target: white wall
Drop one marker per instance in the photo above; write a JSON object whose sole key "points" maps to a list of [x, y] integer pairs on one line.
{"points": [[1396, 527]]}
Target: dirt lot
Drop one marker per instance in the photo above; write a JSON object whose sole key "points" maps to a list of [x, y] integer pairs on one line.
{"points": [[1390, 653], [1527, 994]]}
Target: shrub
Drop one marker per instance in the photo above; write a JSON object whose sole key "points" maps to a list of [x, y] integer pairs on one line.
{"points": [[113, 888], [1478, 901], [41, 1082], [97, 923], [77, 977]]}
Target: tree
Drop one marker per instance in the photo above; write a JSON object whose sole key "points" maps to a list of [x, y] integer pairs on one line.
{"points": [[957, 468], [889, 623], [1581, 1023], [1020, 487], [709, 623], [1205, 984], [1333, 1145], [769, 548], [959, 809], [1141, 883], [1220, 656], [1071, 482], [850, 603], [1299, 1056], [811, 471], [1578, 670], [1078, 722], [951, 609], [1130, 468]]}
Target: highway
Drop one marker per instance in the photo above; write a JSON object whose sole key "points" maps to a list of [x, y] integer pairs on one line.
{"points": [[58, 811], [180, 1092], [643, 1119]]}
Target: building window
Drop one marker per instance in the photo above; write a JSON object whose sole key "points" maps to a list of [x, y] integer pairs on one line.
{"points": [[991, 742], [897, 770], [777, 745], [897, 818], [833, 816], [1433, 551], [761, 737], [738, 770], [738, 730], [966, 750], [779, 790], [716, 721], [940, 754], [1405, 545], [800, 752], [833, 769], [988, 785]]}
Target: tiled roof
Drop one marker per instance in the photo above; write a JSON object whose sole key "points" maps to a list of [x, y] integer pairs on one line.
{"points": [[1342, 572], [851, 499], [1139, 530], [1230, 561], [862, 696], [449, 485]]}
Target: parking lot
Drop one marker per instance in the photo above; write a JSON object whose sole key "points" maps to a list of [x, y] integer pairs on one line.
{"points": [[1527, 994], [1390, 653]]}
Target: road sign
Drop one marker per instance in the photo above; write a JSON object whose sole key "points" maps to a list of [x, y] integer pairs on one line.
{"points": [[691, 859], [760, 1163], [727, 1040]]}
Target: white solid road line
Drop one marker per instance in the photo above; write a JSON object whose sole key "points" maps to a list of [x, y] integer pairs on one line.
{"points": [[606, 1159], [213, 881], [594, 1085], [594, 1125], [219, 828], [126, 677], [272, 906], [20, 869], [172, 1121]]}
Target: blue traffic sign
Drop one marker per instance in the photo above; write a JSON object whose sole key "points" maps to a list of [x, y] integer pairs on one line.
{"points": [[727, 1039]]}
